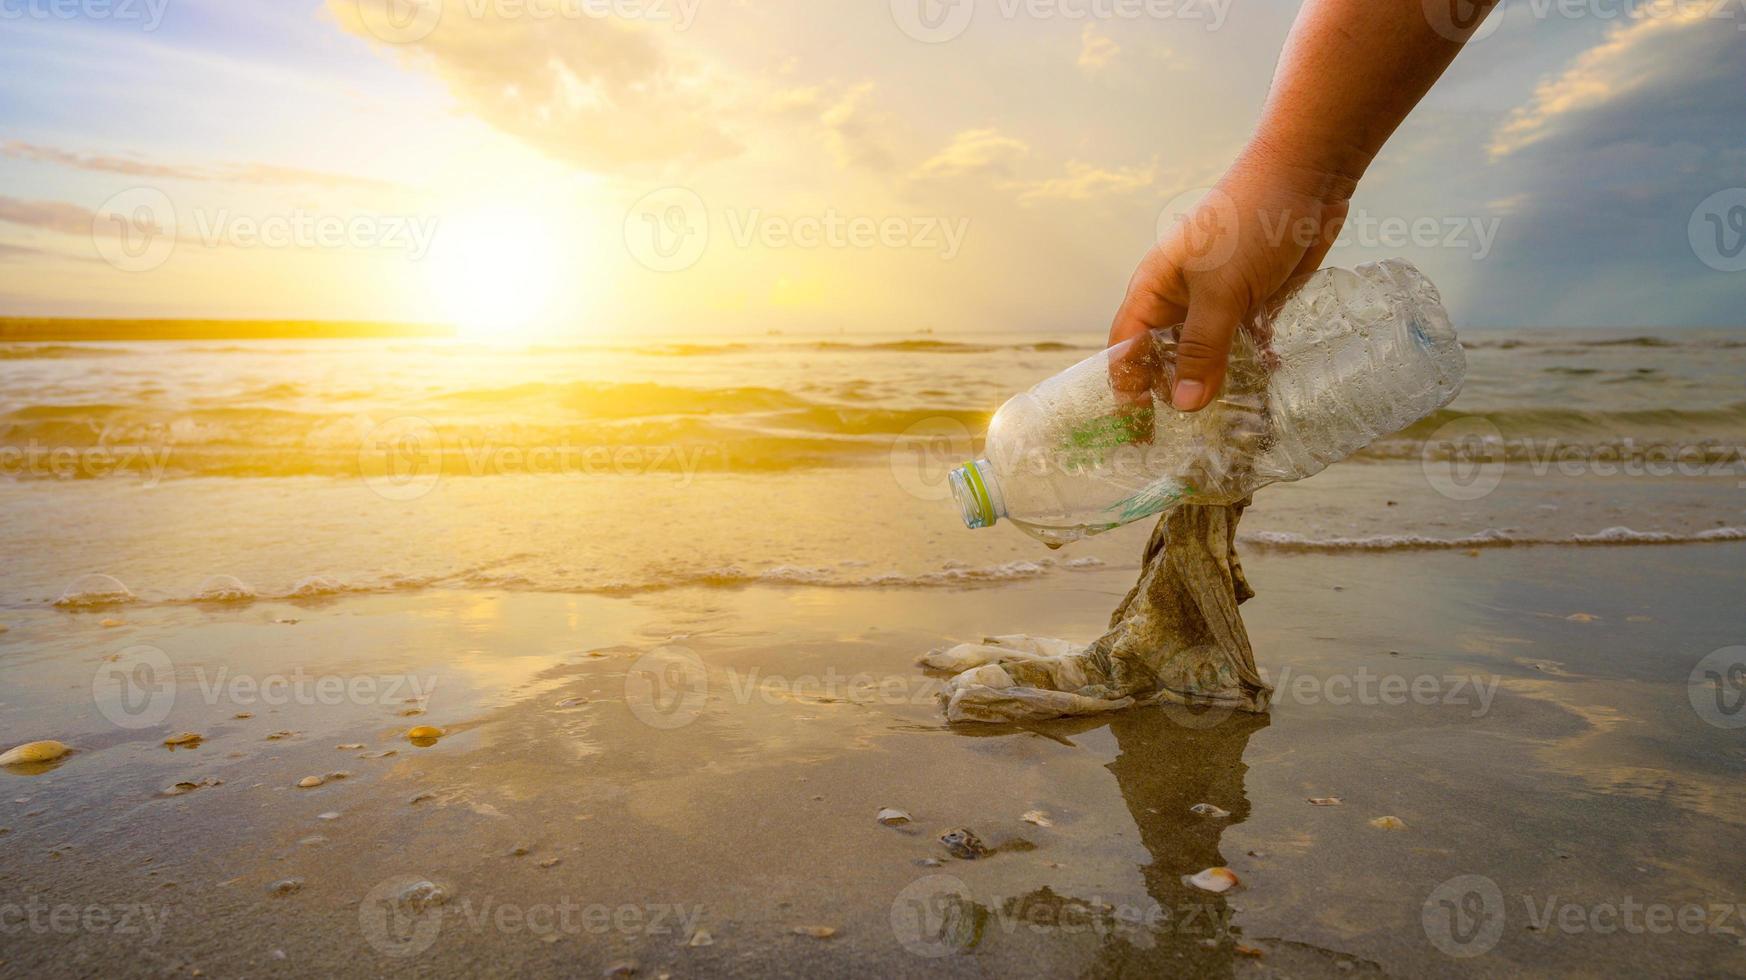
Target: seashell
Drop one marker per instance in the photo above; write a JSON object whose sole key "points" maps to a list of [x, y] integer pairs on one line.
{"points": [[349, 746], [701, 938], [963, 843], [1214, 880], [285, 886], [47, 750], [423, 733], [892, 817], [185, 738], [1208, 810], [1388, 823], [1325, 801], [1037, 817], [310, 782], [816, 932]]}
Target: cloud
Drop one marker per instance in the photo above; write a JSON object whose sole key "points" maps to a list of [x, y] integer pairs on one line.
{"points": [[1636, 55], [1599, 176], [974, 153], [67, 219], [595, 92], [248, 173], [1096, 51], [855, 133], [1084, 182]]}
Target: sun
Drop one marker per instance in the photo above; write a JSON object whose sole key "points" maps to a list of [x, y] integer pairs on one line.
{"points": [[496, 273]]}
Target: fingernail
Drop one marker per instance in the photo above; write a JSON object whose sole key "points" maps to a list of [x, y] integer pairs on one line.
{"points": [[1187, 395]]}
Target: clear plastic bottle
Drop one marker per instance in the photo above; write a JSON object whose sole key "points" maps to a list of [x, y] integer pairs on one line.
{"points": [[1347, 357]]}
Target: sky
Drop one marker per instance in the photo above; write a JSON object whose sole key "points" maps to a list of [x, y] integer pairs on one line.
{"points": [[626, 167]]}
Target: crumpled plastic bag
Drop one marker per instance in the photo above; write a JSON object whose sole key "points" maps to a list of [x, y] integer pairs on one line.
{"points": [[1176, 638]]}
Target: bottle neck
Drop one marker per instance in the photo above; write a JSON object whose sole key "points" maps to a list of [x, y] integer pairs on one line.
{"points": [[978, 494]]}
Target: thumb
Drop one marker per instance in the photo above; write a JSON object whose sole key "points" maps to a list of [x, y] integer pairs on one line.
{"points": [[1203, 347]]}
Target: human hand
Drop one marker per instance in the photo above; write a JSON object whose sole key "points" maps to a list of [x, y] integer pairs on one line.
{"points": [[1264, 224]]}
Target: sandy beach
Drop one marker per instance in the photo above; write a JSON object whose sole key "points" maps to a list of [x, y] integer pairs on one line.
{"points": [[687, 783]]}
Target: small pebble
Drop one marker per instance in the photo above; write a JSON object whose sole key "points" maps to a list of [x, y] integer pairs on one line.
{"points": [[329, 815], [421, 797], [349, 746], [243, 714], [519, 850], [623, 968], [1388, 823], [816, 932], [185, 738], [963, 843], [47, 750], [421, 732], [310, 782], [286, 886], [1582, 617], [1325, 801], [1208, 810], [550, 862]]}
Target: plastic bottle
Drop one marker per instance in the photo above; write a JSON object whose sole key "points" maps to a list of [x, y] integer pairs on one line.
{"points": [[1347, 357]]}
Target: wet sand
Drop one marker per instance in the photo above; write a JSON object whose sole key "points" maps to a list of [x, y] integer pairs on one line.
{"points": [[1528, 714]]}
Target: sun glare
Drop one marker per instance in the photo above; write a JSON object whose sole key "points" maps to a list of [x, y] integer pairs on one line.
{"points": [[496, 274]]}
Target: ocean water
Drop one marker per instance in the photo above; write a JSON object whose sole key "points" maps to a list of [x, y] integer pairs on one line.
{"points": [[223, 469]]}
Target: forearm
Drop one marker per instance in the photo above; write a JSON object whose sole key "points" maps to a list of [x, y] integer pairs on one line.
{"points": [[1350, 72]]}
